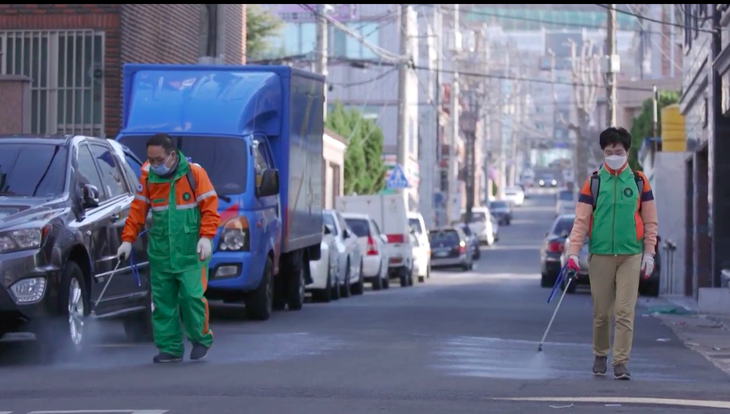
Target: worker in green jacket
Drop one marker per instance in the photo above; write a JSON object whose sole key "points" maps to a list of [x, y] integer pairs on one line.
{"points": [[616, 209], [184, 221]]}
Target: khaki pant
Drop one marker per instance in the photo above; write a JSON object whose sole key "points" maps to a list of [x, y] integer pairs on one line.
{"points": [[614, 290]]}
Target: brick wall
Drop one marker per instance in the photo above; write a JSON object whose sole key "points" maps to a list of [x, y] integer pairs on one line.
{"points": [[235, 47]]}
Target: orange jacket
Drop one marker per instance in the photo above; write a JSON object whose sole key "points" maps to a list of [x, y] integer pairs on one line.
{"points": [[205, 197]]}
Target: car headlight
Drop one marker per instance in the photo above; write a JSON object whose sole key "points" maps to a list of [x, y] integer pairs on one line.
{"points": [[28, 290], [235, 235], [25, 239]]}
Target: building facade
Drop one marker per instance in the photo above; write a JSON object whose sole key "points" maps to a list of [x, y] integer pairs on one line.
{"points": [[333, 174], [74, 54]]}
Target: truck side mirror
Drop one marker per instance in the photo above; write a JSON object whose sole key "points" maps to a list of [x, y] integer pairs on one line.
{"points": [[269, 183]]}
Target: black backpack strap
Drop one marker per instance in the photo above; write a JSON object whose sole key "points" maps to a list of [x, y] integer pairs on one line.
{"points": [[640, 186], [595, 184]]}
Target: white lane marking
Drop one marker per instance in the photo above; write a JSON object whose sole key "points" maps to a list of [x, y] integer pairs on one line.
{"points": [[100, 412], [627, 400]]}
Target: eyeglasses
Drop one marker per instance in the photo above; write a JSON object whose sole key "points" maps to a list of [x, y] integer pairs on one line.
{"points": [[159, 160]]}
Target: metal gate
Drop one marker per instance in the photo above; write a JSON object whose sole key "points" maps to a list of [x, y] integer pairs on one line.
{"points": [[67, 72]]}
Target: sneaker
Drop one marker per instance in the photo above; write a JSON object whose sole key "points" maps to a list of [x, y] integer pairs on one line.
{"points": [[199, 352], [165, 358], [599, 366], [621, 373]]}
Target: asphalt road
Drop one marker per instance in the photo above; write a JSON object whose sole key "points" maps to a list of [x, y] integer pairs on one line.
{"points": [[454, 344]]}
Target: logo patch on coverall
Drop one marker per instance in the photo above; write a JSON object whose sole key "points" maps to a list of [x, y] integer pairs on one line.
{"points": [[186, 196], [628, 192]]}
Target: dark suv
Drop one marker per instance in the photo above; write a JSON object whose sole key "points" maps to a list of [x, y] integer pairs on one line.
{"points": [[63, 203]]}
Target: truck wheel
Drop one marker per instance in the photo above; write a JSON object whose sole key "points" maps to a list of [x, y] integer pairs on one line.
{"points": [[295, 289], [359, 287], [260, 302], [345, 286], [403, 279], [138, 327]]}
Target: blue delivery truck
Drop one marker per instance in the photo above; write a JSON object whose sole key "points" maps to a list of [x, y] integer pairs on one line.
{"points": [[257, 131]]}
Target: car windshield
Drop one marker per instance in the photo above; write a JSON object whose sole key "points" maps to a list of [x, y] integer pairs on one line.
{"points": [[446, 237], [415, 225], [563, 225], [498, 205], [566, 196], [223, 158], [32, 170], [358, 226]]}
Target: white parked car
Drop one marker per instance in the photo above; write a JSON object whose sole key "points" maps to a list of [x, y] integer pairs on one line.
{"points": [[421, 247], [514, 195], [373, 243], [481, 224], [325, 284], [391, 214], [349, 257]]}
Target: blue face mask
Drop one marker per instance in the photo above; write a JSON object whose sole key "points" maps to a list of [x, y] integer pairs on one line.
{"points": [[162, 169]]}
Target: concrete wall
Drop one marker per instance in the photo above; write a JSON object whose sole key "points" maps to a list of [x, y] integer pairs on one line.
{"points": [[667, 178], [333, 152]]}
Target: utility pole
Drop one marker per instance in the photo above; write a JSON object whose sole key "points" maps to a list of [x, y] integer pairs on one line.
{"points": [[454, 115], [610, 74], [402, 142], [321, 58]]}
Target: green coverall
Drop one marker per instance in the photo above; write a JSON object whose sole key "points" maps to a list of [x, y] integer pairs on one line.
{"points": [[178, 277]]}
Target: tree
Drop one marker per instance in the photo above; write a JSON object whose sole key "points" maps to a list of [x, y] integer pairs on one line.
{"points": [[260, 25], [643, 125], [364, 168]]}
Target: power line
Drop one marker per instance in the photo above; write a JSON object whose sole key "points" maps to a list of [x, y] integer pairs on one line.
{"points": [[524, 19], [662, 22], [366, 81]]}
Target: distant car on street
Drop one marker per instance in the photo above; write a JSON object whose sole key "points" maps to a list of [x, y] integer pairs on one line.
{"points": [[502, 211], [472, 242], [449, 248], [552, 247], [565, 202], [547, 180], [514, 195], [480, 224]]}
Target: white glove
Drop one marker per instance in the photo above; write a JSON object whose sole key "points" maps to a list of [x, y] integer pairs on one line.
{"points": [[647, 265], [124, 251], [204, 248]]}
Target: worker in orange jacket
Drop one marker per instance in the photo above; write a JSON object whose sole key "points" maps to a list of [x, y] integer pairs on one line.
{"points": [[184, 221]]}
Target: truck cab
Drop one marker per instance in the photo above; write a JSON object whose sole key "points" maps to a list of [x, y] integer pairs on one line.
{"points": [[257, 132]]}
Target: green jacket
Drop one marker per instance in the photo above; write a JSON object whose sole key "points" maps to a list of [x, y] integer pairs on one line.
{"points": [[616, 226]]}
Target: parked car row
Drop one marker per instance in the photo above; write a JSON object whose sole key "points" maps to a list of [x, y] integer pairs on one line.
{"points": [[553, 256]]}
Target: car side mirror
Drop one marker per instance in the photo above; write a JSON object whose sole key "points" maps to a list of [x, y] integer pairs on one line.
{"points": [[327, 229], [89, 196], [269, 183], [345, 234]]}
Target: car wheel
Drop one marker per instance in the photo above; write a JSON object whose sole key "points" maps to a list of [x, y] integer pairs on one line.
{"points": [[260, 302], [359, 287], [345, 287], [138, 327], [324, 295], [546, 281], [378, 280], [65, 331], [403, 279], [336, 290]]}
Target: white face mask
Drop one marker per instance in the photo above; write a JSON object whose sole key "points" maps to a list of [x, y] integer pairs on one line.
{"points": [[615, 162]]}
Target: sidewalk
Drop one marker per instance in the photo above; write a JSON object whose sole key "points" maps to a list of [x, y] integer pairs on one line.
{"points": [[708, 335]]}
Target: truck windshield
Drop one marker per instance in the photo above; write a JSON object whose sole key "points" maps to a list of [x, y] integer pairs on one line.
{"points": [[32, 170], [223, 158]]}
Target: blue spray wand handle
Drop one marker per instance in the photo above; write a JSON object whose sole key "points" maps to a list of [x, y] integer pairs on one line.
{"points": [[558, 280], [135, 268]]}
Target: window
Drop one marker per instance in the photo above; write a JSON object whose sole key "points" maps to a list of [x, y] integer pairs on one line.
{"points": [[476, 216], [67, 72], [566, 196], [86, 171], [563, 226], [224, 159], [343, 45], [415, 225], [32, 170], [330, 221], [445, 237], [111, 175], [134, 166], [260, 164], [359, 226], [335, 181]]}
